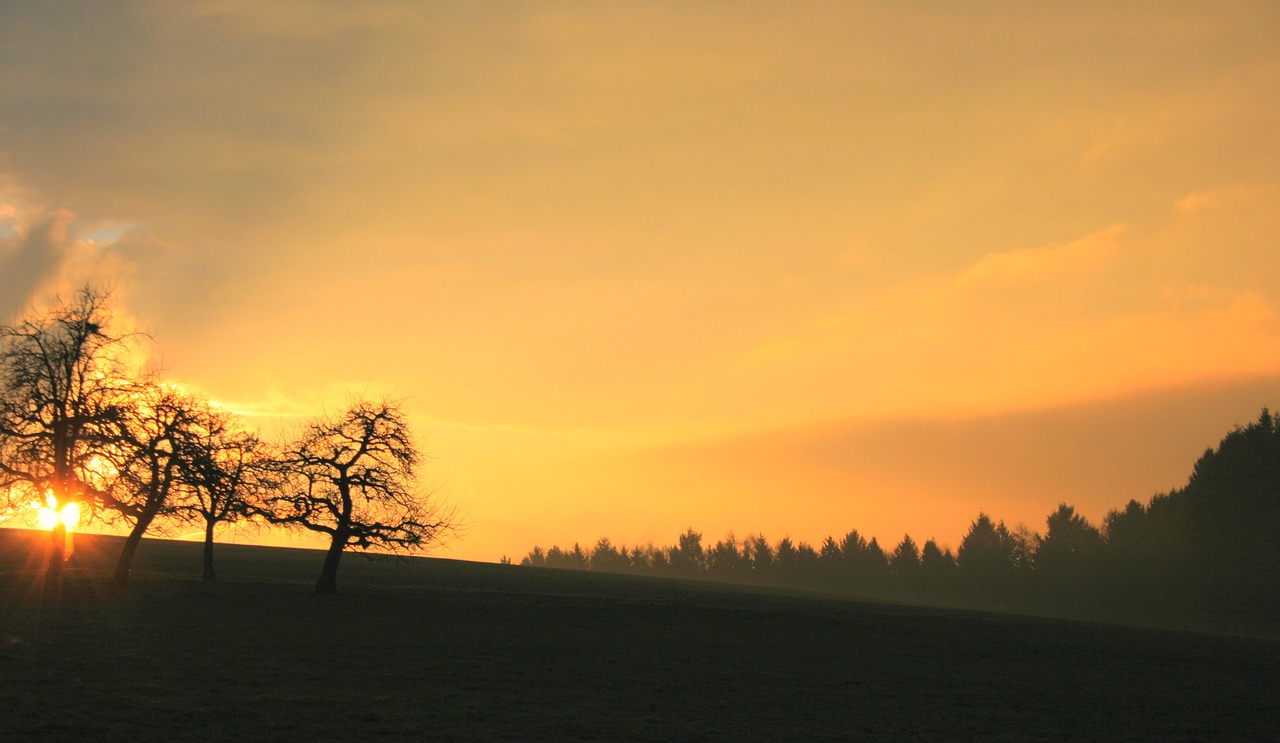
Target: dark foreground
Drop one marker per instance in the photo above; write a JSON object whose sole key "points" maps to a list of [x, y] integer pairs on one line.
{"points": [[463, 651]]}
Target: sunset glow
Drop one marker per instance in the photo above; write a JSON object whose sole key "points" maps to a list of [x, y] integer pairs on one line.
{"points": [[49, 515], [760, 267]]}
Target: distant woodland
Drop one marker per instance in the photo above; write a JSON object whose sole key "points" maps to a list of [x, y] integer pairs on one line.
{"points": [[1206, 555]]}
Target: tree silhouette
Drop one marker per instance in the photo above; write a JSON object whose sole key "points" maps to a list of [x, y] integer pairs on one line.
{"points": [[786, 556], [1070, 544], [936, 565], [905, 561], [830, 562], [579, 557], [857, 564], [1024, 544], [63, 375], [986, 548], [986, 561], [1126, 531], [606, 557], [1232, 513], [653, 559], [875, 567], [536, 558], [351, 476], [686, 557], [639, 560], [852, 545], [228, 471], [725, 560], [1143, 560], [759, 556], [806, 560], [829, 552], [155, 432]]}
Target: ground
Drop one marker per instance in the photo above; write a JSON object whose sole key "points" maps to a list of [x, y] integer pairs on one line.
{"points": [[441, 649]]}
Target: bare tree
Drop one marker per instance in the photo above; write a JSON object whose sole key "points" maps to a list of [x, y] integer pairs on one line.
{"points": [[227, 471], [63, 376], [156, 436], [352, 476]]}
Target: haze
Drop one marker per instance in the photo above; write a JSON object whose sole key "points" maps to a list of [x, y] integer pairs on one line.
{"points": [[782, 267]]}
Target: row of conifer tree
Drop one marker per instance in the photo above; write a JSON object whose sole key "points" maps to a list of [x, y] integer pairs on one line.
{"points": [[1205, 554]]}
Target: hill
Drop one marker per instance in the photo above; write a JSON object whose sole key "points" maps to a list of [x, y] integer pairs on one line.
{"points": [[430, 648]]}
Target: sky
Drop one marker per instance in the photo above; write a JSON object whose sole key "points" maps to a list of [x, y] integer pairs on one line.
{"points": [[781, 268]]}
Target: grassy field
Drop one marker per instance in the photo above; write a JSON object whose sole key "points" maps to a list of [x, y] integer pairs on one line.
{"points": [[442, 649]]}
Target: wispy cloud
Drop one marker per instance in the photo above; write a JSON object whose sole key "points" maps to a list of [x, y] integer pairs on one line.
{"points": [[1056, 262], [1226, 196]]}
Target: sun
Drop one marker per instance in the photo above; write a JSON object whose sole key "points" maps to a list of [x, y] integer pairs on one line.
{"points": [[50, 515]]}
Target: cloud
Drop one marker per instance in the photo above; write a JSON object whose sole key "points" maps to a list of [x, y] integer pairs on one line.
{"points": [[1112, 313], [42, 255], [1044, 264], [1222, 196], [32, 257]]}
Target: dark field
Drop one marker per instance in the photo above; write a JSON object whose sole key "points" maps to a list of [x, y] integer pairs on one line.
{"points": [[444, 649]]}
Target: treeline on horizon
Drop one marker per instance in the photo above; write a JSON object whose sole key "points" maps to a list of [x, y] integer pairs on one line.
{"points": [[1203, 555]]}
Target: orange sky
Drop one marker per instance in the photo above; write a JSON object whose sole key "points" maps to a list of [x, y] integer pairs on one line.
{"points": [[781, 267]]}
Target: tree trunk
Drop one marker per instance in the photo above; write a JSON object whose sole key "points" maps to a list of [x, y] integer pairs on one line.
{"points": [[57, 555], [328, 582], [208, 553], [125, 563]]}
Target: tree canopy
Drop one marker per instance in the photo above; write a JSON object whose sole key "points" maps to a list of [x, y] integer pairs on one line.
{"points": [[351, 476], [81, 424]]}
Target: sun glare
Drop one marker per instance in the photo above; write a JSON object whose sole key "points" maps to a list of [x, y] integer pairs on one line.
{"points": [[50, 515], [100, 467]]}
